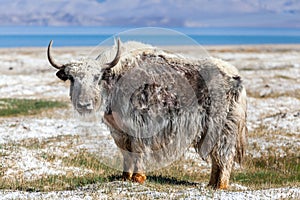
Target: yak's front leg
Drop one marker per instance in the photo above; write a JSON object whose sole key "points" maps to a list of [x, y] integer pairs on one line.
{"points": [[133, 167], [123, 142], [128, 166], [139, 171]]}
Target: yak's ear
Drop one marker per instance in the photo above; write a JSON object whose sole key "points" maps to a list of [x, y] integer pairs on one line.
{"points": [[62, 75]]}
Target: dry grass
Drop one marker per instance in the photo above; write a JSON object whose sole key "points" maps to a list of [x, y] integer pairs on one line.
{"points": [[270, 170], [283, 67], [251, 49], [275, 94]]}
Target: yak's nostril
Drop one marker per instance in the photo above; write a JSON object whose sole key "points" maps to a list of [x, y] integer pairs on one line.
{"points": [[86, 105], [89, 106]]}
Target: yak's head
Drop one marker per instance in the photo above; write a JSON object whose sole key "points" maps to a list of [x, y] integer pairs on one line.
{"points": [[86, 77]]}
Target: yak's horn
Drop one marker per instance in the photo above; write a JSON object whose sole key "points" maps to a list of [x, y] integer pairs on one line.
{"points": [[117, 57], [51, 59]]}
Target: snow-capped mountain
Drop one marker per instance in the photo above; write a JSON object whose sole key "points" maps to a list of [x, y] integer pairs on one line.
{"points": [[193, 13]]}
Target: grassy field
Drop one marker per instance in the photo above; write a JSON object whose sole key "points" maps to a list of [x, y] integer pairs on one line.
{"points": [[14, 107], [258, 173]]}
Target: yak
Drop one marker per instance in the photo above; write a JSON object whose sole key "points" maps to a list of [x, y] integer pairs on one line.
{"points": [[158, 103]]}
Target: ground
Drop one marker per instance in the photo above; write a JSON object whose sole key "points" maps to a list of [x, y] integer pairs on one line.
{"points": [[56, 155]]}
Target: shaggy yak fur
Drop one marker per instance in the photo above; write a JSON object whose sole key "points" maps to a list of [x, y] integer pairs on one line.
{"points": [[157, 104]]}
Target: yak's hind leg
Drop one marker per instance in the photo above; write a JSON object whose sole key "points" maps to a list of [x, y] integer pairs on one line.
{"points": [[223, 153], [231, 144], [222, 157], [220, 171]]}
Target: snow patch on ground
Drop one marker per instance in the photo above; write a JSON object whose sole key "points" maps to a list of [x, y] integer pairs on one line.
{"points": [[31, 165], [32, 86], [123, 190], [16, 129], [280, 113]]}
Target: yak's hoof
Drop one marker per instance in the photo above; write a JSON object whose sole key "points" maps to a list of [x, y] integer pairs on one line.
{"points": [[223, 186], [218, 186], [139, 178], [126, 176]]}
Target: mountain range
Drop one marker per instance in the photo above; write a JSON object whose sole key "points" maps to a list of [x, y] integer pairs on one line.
{"points": [[171, 13]]}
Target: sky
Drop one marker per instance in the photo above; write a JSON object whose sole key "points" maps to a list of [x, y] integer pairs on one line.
{"points": [[165, 13]]}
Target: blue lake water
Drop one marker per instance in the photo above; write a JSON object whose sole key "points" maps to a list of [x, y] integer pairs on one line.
{"points": [[92, 36]]}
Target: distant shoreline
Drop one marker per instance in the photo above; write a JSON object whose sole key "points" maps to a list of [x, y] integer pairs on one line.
{"points": [[282, 46]]}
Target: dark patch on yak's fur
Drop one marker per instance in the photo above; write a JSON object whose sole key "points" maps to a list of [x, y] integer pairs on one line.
{"points": [[62, 75]]}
